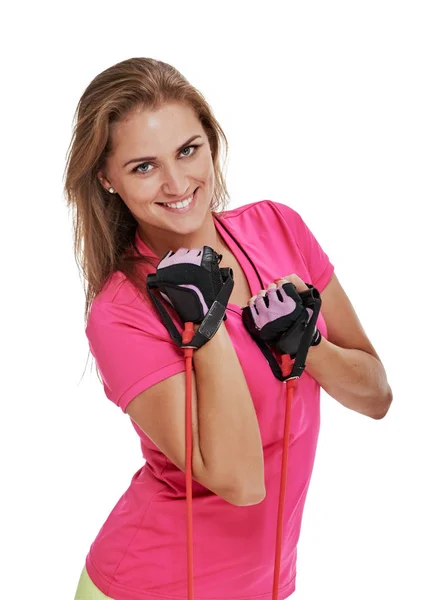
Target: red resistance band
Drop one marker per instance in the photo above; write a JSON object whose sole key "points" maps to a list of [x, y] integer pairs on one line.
{"points": [[287, 362]]}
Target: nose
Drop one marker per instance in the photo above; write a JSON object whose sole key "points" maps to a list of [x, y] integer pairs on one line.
{"points": [[176, 182]]}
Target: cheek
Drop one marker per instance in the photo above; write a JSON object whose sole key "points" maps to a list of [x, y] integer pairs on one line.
{"points": [[207, 171], [210, 179], [140, 192]]}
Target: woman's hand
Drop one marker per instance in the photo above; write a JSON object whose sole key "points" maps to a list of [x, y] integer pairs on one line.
{"points": [[278, 317], [299, 284]]}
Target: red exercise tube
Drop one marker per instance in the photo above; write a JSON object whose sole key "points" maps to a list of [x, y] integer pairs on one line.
{"points": [[287, 362]]}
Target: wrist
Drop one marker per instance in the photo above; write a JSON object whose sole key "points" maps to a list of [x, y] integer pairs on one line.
{"points": [[315, 353], [317, 338], [221, 326], [219, 340]]}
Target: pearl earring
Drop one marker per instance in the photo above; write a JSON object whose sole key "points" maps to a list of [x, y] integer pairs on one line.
{"points": [[111, 190]]}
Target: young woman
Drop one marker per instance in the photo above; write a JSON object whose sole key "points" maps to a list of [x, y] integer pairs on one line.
{"points": [[143, 178]]}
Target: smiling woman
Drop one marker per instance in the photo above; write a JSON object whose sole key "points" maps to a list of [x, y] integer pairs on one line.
{"points": [[132, 160], [161, 183], [144, 179]]}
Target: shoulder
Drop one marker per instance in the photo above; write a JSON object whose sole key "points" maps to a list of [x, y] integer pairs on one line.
{"points": [[260, 206], [266, 209], [264, 218], [119, 300], [273, 216], [121, 309], [119, 289]]}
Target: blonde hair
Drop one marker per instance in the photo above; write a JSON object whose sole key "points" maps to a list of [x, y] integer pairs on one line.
{"points": [[103, 227]]}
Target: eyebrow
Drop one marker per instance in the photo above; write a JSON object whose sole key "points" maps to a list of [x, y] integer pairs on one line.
{"points": [[147, 158]]}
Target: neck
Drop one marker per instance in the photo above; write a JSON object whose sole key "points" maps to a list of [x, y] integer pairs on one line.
{"points": [[160, 241]]}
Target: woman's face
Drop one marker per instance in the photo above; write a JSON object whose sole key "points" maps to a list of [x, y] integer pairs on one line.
{"points": [[154, 160]]}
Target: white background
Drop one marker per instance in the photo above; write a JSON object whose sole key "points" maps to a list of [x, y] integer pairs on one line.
{"points": [[322, 105]]}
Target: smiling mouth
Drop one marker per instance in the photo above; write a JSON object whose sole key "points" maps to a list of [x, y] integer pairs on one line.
{"points": [[181, 204]]}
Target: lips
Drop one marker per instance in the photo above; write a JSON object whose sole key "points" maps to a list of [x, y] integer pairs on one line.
{"points": [[192, 195], [182, 211]]}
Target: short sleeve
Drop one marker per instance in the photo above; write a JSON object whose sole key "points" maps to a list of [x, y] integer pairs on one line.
{"points": [[318, 263], [131, 348]]}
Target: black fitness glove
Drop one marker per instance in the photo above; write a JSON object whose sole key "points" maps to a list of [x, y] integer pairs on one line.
{"points": [[191, 281], [280, 318]]}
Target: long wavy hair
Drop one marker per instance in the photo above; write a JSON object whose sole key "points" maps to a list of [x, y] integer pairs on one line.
{"points": [[103, 227]]}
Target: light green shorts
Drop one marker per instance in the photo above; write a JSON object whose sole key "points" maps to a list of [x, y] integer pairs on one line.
{"points": [[87, 590]]}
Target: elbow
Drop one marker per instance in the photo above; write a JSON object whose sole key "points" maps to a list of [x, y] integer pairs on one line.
{"points": [[249, 498], [383, 406], [257, 499]]}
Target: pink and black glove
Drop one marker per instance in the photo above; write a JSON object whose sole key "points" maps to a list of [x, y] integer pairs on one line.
{"points": [[280, 318], [191, 281]]}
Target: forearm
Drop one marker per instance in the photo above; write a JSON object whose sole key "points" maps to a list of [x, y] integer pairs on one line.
{"points": [[353, 377], [229, 434]]}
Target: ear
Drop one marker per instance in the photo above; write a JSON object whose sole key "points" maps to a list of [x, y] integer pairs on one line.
{"points": [[104, 181]]}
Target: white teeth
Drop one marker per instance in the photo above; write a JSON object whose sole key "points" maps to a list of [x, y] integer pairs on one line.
{"points": [[182, 204]]}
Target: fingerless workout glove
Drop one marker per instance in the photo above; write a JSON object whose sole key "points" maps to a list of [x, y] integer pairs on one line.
{"points": [[190, 280], [280, 318]]}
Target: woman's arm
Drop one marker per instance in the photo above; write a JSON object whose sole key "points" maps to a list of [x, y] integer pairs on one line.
{"points": [[229, 433], [353, 377], [346, 365]]}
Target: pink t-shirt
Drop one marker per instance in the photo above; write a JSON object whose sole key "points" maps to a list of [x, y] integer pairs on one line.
{"points": [[140, 551]]}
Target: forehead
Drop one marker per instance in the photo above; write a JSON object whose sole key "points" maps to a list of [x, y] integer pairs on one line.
{"points": [[155, 131]]}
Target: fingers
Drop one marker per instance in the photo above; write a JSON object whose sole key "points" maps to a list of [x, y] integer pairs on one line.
{"points": [[275, 290], [252, 300], [296, 281], [271, 293]]}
